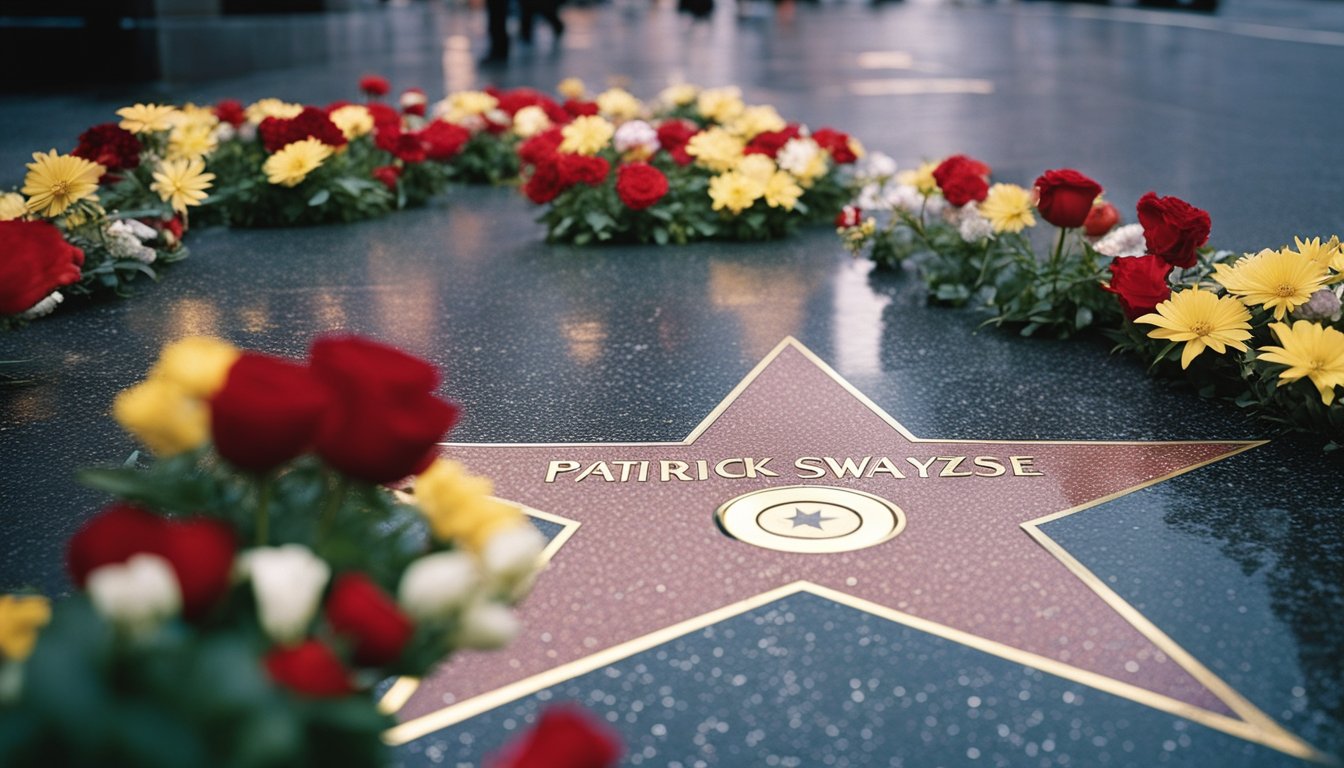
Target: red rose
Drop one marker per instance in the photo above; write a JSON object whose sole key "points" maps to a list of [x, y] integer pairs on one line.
{"points": [[201, 552], [1101, 219], [1173, 229], [1065, 197], [374, 85], [962, 179], [543, 185], [388, 175], [384, 420], [640, 185], [838, 144], [673, 135], [37, 261], [276, 132], [383, 115], [230, 111], [849, 216], [582, 169], [406, 147], [513, 100], [577, 108], [563, 738], [310, 669], [267, 412], [358, 609], [541, 148], [112, 536], [443, 140], [112, 147], [1140, 283], [770, 142]]}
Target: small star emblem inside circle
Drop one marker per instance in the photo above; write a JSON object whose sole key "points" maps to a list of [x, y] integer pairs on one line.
{"points": [[813, 519]]}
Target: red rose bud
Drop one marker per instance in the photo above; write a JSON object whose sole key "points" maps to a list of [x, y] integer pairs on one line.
{"points": [[384, 420], [640, 185], [962, 179], [37, 261], [1101, 219], [112, 147], [563, 738], [541, 148], [374, 85], [267, 413], [359, 610], [112, 536], [577, 108], [837, 143], [388, 175], [443, 140], [1173, 229], [543, 185], [201, 552], [406, 147], [230, 111], [582, 169], [309, 669], [1065, 197], [849, 216], [1140, 283], [383, 115], [768, 143]]}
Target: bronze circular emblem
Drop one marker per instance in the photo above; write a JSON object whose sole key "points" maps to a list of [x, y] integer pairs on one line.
{"points": [[813, 519]]}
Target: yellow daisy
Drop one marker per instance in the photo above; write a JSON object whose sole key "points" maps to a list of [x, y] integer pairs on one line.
{"points": [[295, 161], [921, 178], [1202, 320], [735, 191], [757, 120], [619, 104], [720, 104], [571, 88], [782, 191], [715, 149], [147, 118], [587, 135], [1309, 350], [189, 141], [260, 110], [12, 206], [56, 182], [21, 616], [354, 120], [1321, 253], [182, 183], [1276, 280], [1008, 208]]}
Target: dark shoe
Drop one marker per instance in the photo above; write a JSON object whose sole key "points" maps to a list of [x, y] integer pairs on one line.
{"points": [[494, 59], [558, 28]]}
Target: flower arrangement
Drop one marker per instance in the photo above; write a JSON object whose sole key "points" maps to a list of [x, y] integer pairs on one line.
{"points": [[696, 164], [238, 603], [1269, 322]]}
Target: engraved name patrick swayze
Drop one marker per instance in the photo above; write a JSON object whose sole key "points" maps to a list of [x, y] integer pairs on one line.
{"points": [[804, 468]]}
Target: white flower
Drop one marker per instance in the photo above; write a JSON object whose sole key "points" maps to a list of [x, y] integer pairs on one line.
{"points": [[436, 585], [1323, 305], [486, 626], [796, 155], [877, 166], [1122, 241], [636, 134], [287, 582], [972, 226], [247, 132], [44, 307], [137, 594], [413, 98], [124, 241], [512, 556], [224, 132], [872, 197], [529, 121]]}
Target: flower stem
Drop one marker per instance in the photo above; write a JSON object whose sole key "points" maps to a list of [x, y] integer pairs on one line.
{"points": [[263, 513], [1055, 258]]}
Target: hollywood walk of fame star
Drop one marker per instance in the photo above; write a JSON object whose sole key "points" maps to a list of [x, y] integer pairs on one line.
{"points": [[972, 564], [813, 519]]}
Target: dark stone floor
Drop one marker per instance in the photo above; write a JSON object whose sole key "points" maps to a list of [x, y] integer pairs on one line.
{"points": [[1243, 563]]}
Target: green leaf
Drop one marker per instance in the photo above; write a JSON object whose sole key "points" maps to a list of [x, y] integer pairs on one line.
{"points": [[321, 197]]}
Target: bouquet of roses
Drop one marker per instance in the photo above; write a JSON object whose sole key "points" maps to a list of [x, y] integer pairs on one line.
{"points": [[700, 165], [239, 602]]}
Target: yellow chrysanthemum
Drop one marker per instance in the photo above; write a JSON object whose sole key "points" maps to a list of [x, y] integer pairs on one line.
{"points": [[735, 191], [182, 183], [756, 166], [756, 120], [292, 164], [464, 104], [1202, 320], [1320, 252], [12, 206], [716, 149], [147, 118], [720, 104], [815, 167], [196, 116], [679, 95], [260, 110], [921, 178], [587, 135], [164, 416], [571, 88], [197, 364], [1309, 350], [56, 182], [857, 148], [459, 507], [619, 104], [190, 141], [1008, 208], [21, 616], [529, 121], [354, 120], [782, 191], [1276, 280]]}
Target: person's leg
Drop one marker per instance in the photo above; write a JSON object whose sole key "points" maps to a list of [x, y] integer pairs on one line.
{"points": [[497, 12], [527, 11]]}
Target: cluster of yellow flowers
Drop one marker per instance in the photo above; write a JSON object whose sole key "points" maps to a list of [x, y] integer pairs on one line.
{"points": [[459, 506], [185, 136], [21, 616], [169, 411], [1279, 282]]}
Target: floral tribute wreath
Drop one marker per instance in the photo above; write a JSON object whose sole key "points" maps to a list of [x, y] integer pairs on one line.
{"points": [[1270, 322], [240, 601]]}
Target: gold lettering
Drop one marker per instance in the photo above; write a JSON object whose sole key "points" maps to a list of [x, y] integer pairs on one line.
{"points": [[627, 465], [884, 464], [753, 469], [951, 469], [923, 468], [1022, 466], [848, 467], [556, 467], [721, 469], [703, 466], [670, 468], [802, 464], [597, 468], [992, 464]]}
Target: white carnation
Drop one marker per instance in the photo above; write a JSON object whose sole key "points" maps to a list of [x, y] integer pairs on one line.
{"points": [[636, 134], [972, 226], [872, 197], [137, 594], [247, 132], [224, 132], [796, 155], [877, 165], [124, 242], [44, 307], [1122, 241], [287, 582], [436, 585], [486, 626]]}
